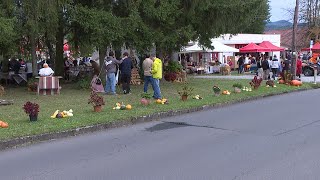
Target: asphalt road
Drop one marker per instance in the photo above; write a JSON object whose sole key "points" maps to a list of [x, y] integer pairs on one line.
{"points": [[268, 139]]}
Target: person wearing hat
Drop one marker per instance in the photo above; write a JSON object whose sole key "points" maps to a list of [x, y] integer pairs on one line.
{"points": [[46, 70]]}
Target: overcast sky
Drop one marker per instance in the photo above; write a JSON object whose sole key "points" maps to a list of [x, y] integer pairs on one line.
{"points": [[278, 11]]}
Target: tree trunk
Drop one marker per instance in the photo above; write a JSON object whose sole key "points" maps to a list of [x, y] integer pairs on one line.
{"points": [[50, 49], [294, 48], [102, 54], [58, 62], [33, 55]]}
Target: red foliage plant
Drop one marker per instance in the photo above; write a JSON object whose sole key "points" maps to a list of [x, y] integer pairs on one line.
{"points": [[31, 108], [255, 82], [95, 99]]}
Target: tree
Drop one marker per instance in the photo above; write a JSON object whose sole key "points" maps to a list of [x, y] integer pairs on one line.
{"points": [[7, 28]]}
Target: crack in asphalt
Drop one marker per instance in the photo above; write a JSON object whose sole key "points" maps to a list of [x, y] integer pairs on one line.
{"points": [[200, 126], [291, 130]]}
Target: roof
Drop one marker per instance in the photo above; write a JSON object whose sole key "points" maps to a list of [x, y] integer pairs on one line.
{"points": [[269, 45], [286, 37], [253, 48]]}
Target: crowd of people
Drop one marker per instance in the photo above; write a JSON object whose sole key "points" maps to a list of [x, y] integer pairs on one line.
{"points": [[268, 67], [152, 68]]}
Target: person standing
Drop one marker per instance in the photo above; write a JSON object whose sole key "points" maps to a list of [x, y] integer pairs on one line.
{"points": [[259, 67], [147, 65], [274, 67], [240, 63], [299, 67], [265, 68], [156, 72], [111, 68], [125, 68], [286, 66]]}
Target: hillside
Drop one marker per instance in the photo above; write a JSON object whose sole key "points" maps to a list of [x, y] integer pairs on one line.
{"points": [[282, 24]]}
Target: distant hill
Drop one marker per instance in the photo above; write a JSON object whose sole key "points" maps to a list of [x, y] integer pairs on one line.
{"points": [[282, 24]]}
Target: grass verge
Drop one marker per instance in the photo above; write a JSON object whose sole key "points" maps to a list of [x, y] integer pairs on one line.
{"points": [[71, 98]]}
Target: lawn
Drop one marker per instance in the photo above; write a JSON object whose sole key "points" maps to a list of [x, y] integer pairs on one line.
{"points": [[72, 98]]}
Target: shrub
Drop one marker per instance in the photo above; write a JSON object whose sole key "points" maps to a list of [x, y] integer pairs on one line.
{"points": [[237, 85]]}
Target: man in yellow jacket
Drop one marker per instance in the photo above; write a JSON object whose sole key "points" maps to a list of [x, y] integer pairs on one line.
{"points": [[156, 72]]}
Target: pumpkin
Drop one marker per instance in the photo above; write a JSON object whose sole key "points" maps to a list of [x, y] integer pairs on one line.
{"points": [[128, 107], [296, 83], [281, 81], [123, 107], [3, 124]]}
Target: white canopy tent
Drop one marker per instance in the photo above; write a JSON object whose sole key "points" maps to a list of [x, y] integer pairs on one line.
{"points": [[217, 47]]}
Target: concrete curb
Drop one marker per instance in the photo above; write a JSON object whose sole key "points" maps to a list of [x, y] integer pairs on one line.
{"points": [[23, 141]]}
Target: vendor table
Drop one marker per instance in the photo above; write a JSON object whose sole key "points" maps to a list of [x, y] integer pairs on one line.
{"points": [[48, 85]]}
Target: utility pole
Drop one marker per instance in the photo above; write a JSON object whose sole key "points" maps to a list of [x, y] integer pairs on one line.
{"points": [[294, 48]]}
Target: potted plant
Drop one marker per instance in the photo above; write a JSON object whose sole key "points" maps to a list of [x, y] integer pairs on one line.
{"points": [[145, 98], [237, 87], [171, 70], [32, 109], [216, 90], [185, 91], [96, 101], [255, 82]]}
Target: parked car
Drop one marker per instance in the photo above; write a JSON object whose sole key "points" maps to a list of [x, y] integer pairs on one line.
{"points": [[308, 69]]}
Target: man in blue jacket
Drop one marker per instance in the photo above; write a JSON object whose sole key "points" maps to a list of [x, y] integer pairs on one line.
{"points": [[125, 68]]}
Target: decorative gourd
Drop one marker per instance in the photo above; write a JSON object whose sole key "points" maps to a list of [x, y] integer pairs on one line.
{"points": [[123, 107], [159, 101], [128, 107], [296, 83], [281, 81], [4, 124]]}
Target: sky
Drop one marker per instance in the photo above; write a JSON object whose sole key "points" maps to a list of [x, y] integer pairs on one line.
{"points": [[278, 11]]}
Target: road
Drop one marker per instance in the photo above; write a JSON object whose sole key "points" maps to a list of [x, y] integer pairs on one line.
{"points": [[272, 138]]}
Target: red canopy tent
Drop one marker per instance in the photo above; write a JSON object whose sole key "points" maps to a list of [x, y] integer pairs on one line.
{"points": [[315, 47], [253, 48], [269, 45]]}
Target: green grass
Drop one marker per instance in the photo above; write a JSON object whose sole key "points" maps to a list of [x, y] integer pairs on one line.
{"points": [[71, 98]]}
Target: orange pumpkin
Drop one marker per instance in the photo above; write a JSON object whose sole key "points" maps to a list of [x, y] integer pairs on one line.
{"points": [[3, 124], [296, 83], [281, 81], [128, 107]]}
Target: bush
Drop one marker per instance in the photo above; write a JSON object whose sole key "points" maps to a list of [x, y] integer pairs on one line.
{"points": [[238, 85], [84, 83], [173, 66]]}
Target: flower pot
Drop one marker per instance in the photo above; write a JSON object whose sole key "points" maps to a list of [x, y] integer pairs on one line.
{"points": [[184, 97], [145, 101], [33, 118], [237, 90], [97, 108]]}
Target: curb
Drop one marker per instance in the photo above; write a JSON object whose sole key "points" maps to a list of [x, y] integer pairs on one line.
{"points": [[27, 140]]}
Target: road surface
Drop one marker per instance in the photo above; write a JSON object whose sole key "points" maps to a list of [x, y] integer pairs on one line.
{"points": [[272, 138]]}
